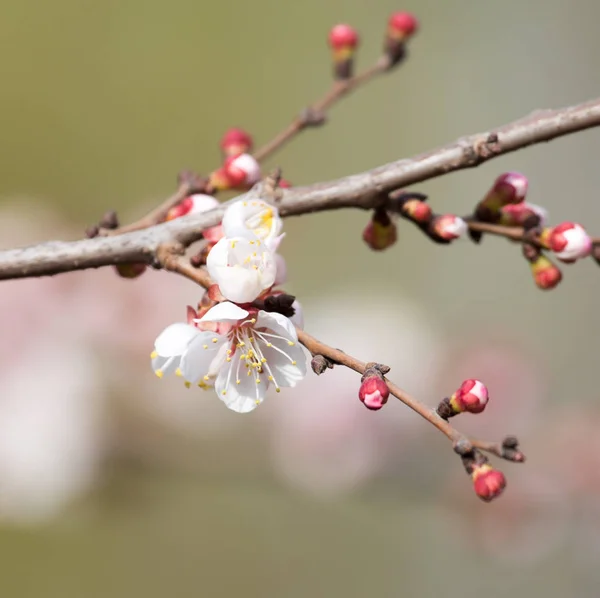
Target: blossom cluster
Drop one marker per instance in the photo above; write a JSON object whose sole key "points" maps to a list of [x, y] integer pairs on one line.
{"points": [[230, 343]]}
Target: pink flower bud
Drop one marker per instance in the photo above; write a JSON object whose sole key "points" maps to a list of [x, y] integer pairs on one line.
{"points": [[193, 204], [508, 188], [242, 171], [472, 396], [285, 184], [545, 274], [130, 270], [343, 41], [418, 211], [519, 214], [380, 233], [449, 227], [236, 141], [569, 241], [374, 392], [343, 37], [402, 25], [489, 483]]}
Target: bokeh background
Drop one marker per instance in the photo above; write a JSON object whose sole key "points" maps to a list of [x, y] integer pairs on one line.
{"points": [[113, 483]]}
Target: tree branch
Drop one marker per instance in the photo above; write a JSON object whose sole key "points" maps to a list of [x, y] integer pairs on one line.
{"points": [[359, 191], [337, 356]]}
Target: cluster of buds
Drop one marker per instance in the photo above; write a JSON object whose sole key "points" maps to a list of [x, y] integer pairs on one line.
{"points": [[344, 40], [471, 397], [380, 233], [505, 204], [374, 391]]}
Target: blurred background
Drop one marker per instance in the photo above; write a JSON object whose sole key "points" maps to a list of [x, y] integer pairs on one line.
{"points": [[113, 483]]}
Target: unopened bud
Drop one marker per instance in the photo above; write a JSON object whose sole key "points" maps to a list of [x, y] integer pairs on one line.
{"points": [[569, 242], [236, 141], [418, 211], [545, 274], [489, 483], [374, 392], [343, 40], [193, 204], [132, 270], [523, 214], [508, 188], [448, 227], [401, 26], [380, 233], [472, 396], [243, 171]]}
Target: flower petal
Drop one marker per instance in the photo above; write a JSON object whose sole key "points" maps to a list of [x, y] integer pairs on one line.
{"points": [[241, 394], [198, 360], [238, 284], [287, 362], [174, 339], [224, 312], [278, 323]]}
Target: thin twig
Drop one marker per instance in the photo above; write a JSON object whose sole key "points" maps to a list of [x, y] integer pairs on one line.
{"points": [[317, 112], [155, 216], [317, 347], [358, 191]]}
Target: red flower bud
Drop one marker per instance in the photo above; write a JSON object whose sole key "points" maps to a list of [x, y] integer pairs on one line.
{"points": [[508, 188], [569, 241], [545, 274], [472, 396], [380, 233], [343, 41], [489, 483], [236, 141], [448, 227], [374, 392], [343, 36], [238, 172], [402, 25], [130, 270], [418, 211], [519, 214]]}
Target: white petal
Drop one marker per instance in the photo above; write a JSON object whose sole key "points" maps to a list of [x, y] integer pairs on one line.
{"points": [[174, 339], [224, 312], [288, 363], [281, 267], [217, 256], [238, 284], [234, 220], [244, 396], [274, 242], [203, 203], [198, 359], [278, 323], [298, 318]]}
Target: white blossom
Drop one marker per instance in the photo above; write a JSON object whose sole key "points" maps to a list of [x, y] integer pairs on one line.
{"points": [[242, 267], [260, 349]]}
